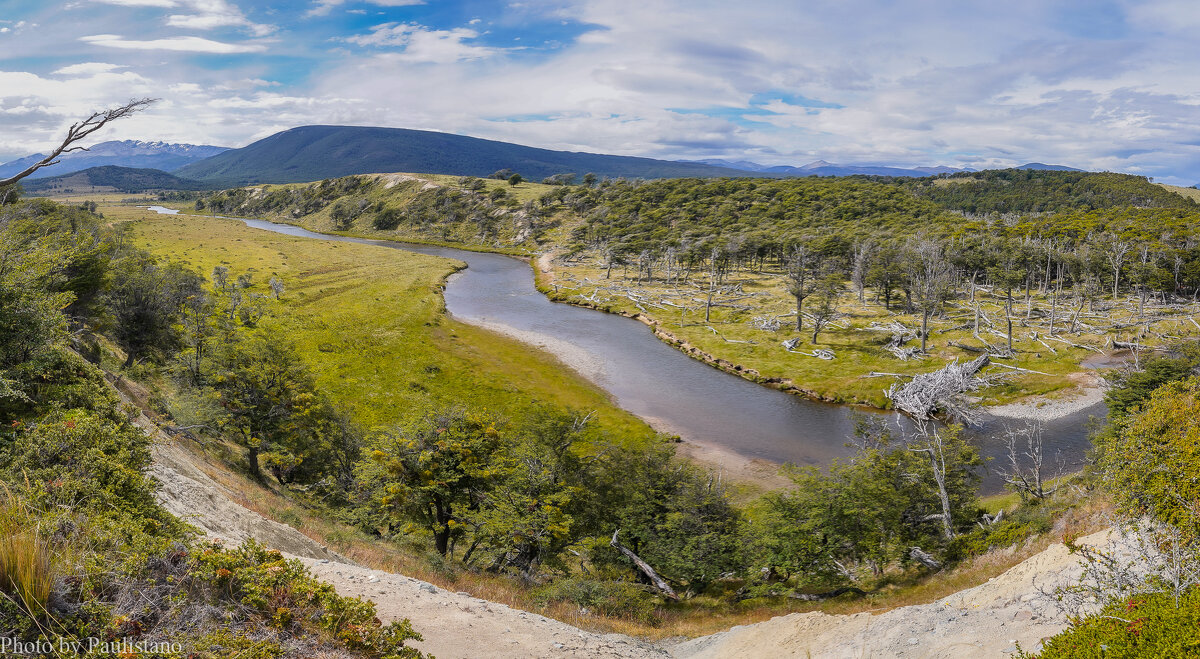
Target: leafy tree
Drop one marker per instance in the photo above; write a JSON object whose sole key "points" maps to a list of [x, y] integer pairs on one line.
{"points": [[1131, 388], [515, 180], [434, 474], [537, 504], [268, 402], [145, 300], [677, 518]]}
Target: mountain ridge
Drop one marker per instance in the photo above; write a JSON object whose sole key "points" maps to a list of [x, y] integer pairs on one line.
{"points": [[309, 153], [121, 179], [164, 156]]}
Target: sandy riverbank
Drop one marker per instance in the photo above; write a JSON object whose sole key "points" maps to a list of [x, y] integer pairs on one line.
{"points": [[730, 464], [1088, 392]]}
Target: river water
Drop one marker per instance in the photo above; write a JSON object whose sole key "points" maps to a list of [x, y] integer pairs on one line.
{"points": [[671, 391]]}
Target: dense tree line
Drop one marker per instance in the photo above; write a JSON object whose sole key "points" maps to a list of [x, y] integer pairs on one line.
{"points": [[368, 203], [1041, 191]]}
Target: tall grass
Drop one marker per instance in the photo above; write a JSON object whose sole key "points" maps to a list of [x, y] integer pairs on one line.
{"points": [[27, 566]]}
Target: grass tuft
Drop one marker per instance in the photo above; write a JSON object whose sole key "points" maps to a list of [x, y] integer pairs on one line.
{"points": [[27, 565]]}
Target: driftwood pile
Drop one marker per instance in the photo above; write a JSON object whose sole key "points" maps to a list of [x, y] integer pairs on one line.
{"points": [[820, 353], [942, 391], [900, 336]]}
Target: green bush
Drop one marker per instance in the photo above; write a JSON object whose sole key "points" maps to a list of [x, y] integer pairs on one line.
{"points": [[1152, 458], [610, 598], [1145, 626]]}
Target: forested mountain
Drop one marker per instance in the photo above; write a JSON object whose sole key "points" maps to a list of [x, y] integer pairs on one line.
{"points": [[123, 153], [111, 177], [309, 153], [1042, 190], [823, 168]]}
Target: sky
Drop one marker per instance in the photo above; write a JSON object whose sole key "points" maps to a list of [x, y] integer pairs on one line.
{"points": [[1097, 84]]}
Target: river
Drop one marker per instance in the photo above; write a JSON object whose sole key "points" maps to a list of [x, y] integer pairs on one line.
{"points": [[671, 391]]}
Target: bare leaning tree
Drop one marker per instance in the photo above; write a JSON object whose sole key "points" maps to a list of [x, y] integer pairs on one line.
{"points": [[78, 132]]}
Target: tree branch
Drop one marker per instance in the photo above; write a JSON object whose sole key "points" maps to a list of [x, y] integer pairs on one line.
{"points": [[78, 131], [658, 581]]}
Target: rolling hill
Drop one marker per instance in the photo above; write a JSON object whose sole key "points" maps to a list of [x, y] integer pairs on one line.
{"points": [[124, 153], [310, 153], [111, 178], [825, 168]]}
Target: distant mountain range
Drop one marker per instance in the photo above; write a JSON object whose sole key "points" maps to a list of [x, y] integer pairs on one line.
{"points": [[1053, 168], [824, 168], [311, 153], [124, 153], [111, 178]]}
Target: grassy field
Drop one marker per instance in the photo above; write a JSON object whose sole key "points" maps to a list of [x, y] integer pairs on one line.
{"points": [[370, 322], [1190, 193]]}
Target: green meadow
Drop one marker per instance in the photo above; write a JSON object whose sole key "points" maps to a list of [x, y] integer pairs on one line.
{"points": [[371, 323]]}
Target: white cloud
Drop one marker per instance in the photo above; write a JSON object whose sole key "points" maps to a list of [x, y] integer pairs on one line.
{"points": [[421, 44], [180, 44], [323, 7], [87, 69], [139, 3], [933, 83], [210, 14], [205, 14]]}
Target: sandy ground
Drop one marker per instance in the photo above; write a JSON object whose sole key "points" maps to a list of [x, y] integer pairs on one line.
{"points": [[1089, 391], [989, 620]]}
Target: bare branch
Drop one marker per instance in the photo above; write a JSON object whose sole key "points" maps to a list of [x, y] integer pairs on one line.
{"points": [[80, 131]]}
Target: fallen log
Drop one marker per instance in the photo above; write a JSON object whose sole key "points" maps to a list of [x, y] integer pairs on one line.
{"points": [[1018, 368], [963, 346], [658, 581], [918, 555], [817, 597]]}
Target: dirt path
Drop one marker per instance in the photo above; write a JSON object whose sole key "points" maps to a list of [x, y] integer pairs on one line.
{"points": [[455, 625], [989, 620]]}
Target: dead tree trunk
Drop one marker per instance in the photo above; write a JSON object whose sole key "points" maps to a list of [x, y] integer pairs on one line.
{"points": [[658, 581], [924, 559]]}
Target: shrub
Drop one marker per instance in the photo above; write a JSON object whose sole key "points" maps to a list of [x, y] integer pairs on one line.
{"points": [[1152, 459], [610, 598], [1146, 626]]}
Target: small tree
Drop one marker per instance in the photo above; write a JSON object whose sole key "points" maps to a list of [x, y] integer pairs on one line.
{"points": [[1027, 470], [951, 464], [432, 474], [931, 280], [268, 399], [824, 310], [801, 282], [515, 180]]}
